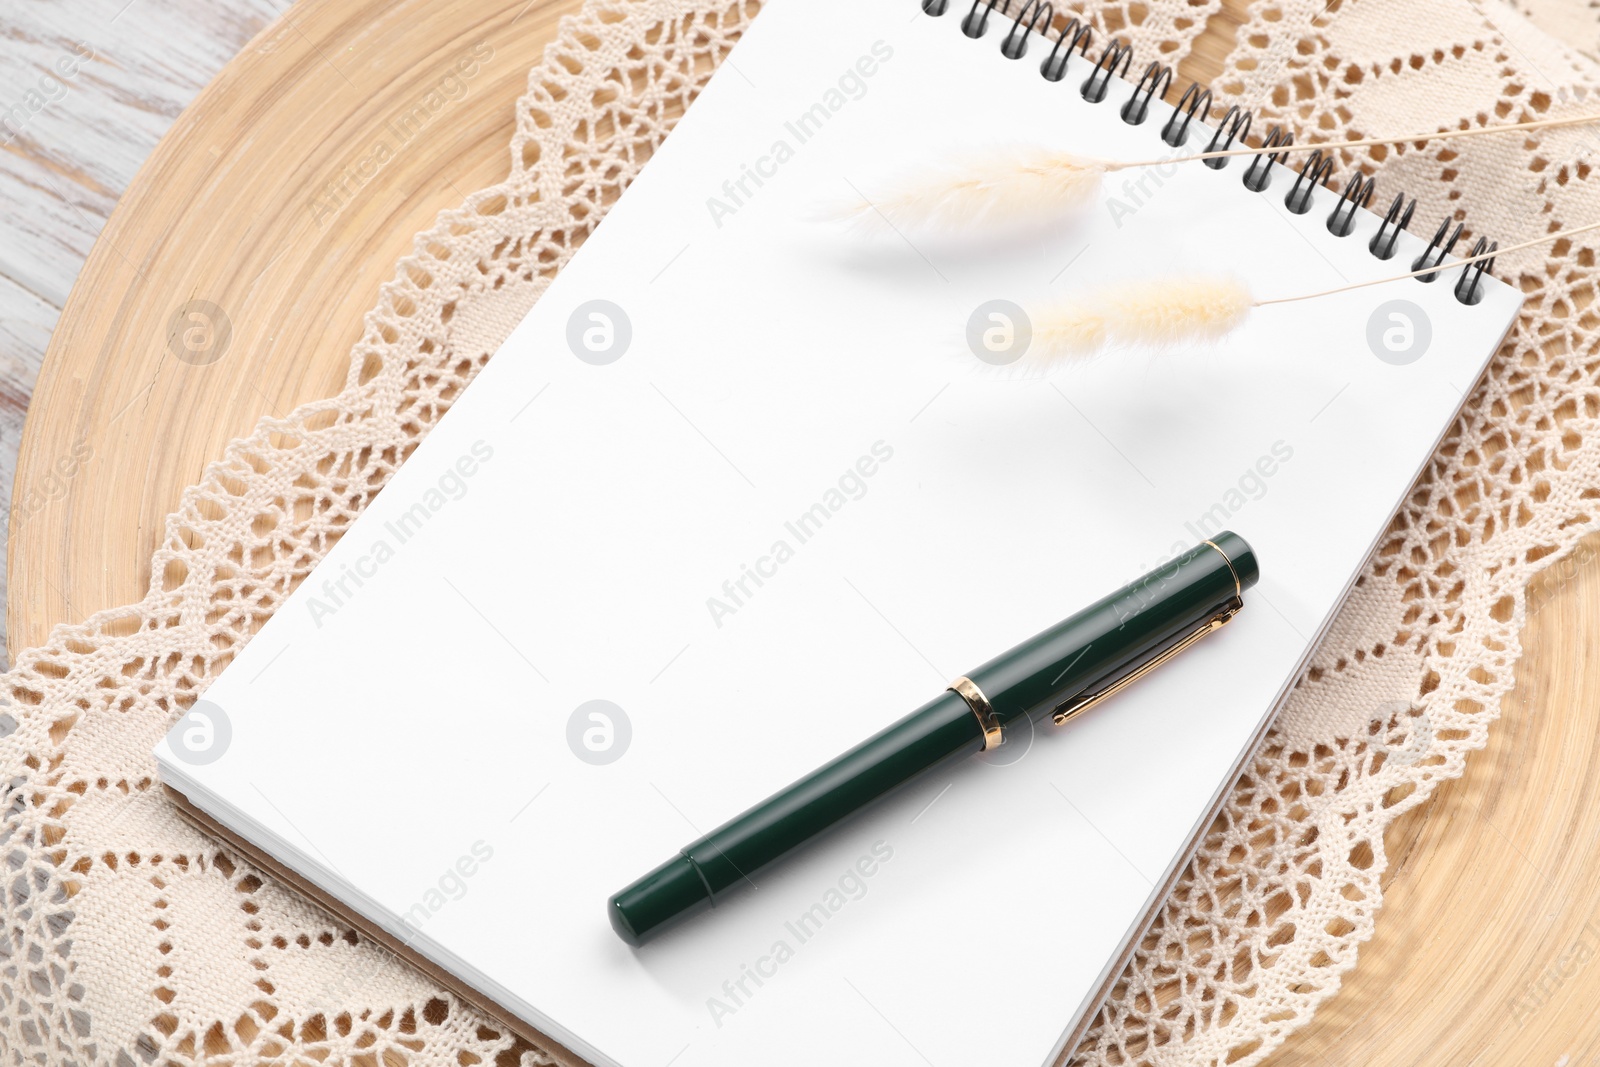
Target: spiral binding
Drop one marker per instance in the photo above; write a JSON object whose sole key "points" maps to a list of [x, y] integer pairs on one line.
{"points": [[1357, 193], [1116, 60], [1195, 101], [1397, 218]]}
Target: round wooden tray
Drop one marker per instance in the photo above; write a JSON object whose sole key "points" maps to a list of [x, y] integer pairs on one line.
{"points": [[264, 201]]}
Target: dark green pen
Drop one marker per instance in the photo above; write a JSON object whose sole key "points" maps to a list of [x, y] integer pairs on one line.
{"points": [[1060, 672]]}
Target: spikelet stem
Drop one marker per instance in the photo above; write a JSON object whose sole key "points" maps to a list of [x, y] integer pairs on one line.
{"points": [[1437, 267]]}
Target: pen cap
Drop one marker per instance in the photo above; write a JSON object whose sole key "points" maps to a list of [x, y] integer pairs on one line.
{"points": [[1241, 555], [1119, 631]]}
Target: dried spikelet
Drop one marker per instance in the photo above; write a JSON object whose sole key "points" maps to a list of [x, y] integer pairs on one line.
{"points": [[997, 188], [1158, 313], [1071, 329], [1166, 312]]}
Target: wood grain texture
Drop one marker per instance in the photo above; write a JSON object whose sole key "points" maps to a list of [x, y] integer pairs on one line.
{"points": [[262, 200], [87, 88], [1489, 948]]}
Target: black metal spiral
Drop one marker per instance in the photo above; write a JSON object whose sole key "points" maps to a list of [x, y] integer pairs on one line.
{"points": [[1314, 172], [1236, 123], [975, 24], [1195, 101], [1357, 193], [1396, 219], [1098, 83], [1116, 60], [1258, 175], [1438, 248], [1469, 288], [1153, 84], [1015, 45], [1074, 34]]}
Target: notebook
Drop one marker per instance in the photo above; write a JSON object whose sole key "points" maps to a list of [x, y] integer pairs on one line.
{"points": [[738, 492]]}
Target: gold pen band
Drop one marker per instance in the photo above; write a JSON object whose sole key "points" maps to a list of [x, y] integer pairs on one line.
{"points": [[968, 690]]}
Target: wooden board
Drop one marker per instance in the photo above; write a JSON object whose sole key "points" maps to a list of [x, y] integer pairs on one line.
{"points": [[1488, 946], [1487, 949], [228, 209], [86, 91]]}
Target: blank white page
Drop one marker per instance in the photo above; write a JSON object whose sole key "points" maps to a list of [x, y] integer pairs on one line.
{"points": [[773, 359]]}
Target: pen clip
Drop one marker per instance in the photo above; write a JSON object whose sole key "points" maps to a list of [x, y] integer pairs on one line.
{"points": [[1072, 708]]}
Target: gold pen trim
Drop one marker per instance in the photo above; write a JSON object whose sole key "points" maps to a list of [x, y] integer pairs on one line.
{"points": [[1238, 589], [1069, 709], [968, 690]]}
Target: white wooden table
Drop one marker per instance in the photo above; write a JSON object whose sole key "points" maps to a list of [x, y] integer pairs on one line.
{"points": [[87, 88]]}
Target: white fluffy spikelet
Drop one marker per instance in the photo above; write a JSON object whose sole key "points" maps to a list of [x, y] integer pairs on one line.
{"points": [[998, 188], [1158, 313], [1068, 330]]}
